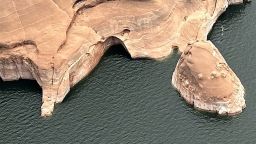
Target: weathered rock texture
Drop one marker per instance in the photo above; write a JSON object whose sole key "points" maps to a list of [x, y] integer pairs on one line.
{"points": [[205, 80], [59, 42]]}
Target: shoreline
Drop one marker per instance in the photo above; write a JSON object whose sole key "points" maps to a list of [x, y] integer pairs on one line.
{"points": [[58, 63]]}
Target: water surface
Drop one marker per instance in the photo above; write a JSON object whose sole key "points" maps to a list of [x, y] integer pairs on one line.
{"points": [[132, 101]]}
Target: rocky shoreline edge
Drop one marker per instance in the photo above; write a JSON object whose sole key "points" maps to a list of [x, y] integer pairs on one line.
{"points": [[59, 51]]}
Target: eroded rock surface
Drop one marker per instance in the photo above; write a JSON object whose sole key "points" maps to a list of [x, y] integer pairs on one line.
{"points": [[205, 80], [59, 42]]}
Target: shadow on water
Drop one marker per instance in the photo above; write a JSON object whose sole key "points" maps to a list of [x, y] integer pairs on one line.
{"points": [[120, 50], [26, 85], [117, 50], [113, 50]]}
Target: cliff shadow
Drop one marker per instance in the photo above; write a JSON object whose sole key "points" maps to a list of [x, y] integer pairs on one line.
{"points": [[113, 53], [24, 85], [118, 49]]}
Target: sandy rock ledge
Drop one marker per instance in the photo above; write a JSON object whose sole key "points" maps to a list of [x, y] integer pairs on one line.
{"points": [[59, 42], [205, 80]]}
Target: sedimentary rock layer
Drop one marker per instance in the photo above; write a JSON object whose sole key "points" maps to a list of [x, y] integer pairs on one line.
{"points": [[59, 42]]}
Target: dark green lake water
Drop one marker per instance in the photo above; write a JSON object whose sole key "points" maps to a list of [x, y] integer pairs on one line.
{"points": [[132, 101]]}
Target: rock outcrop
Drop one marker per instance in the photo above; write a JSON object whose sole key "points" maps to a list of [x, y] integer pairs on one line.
{"points": [[59, 42], [206, 81]]}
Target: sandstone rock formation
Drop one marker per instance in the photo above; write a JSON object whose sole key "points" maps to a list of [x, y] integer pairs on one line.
{"points": [[59, 42], [206, 81]]}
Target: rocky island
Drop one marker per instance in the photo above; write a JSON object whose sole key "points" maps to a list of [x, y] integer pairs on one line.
{"points": [[59, 42]]}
